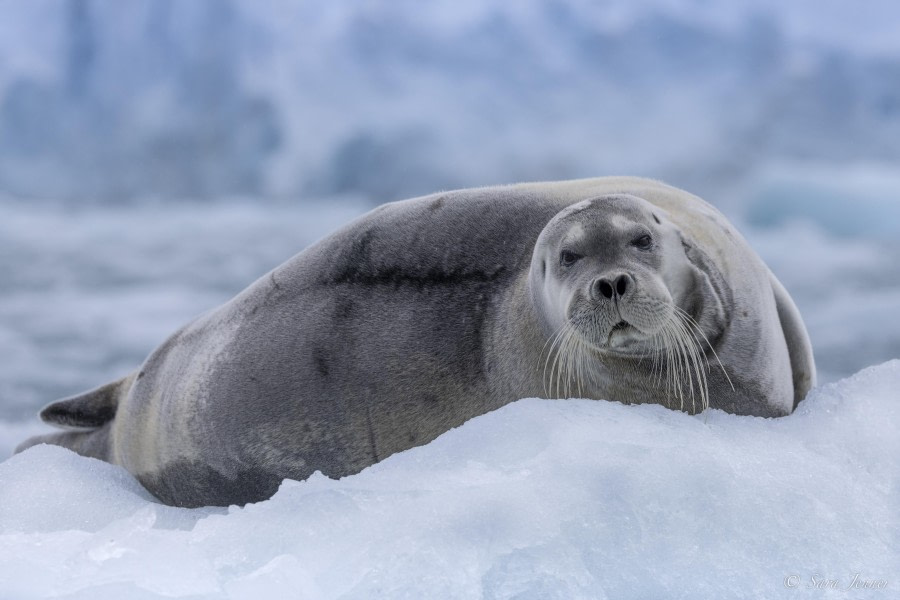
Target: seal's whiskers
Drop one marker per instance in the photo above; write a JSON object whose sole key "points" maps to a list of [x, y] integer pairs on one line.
{"points": [[680, 342], [695, 327], [682, 364], [567, 365]]}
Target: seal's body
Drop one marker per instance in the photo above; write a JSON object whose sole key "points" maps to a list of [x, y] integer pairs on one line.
{"points": [[427, 312]]}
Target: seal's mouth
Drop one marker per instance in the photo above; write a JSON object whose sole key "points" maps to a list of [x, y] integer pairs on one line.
{"points": [[620, 326], [622, 336], [616, 333]]}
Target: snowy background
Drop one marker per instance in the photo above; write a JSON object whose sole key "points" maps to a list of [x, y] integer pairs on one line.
{"points": [[157, 156]]}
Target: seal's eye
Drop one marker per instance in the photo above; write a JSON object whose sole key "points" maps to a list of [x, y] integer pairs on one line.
{"points": [[645, 242], [568, 258]]}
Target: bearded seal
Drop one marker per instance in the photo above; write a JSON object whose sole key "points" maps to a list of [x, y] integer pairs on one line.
{"points": [[427, 312]]}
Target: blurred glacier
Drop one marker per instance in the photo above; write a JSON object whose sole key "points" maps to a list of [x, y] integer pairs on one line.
{"points": [[115, 100], [539, 499]]}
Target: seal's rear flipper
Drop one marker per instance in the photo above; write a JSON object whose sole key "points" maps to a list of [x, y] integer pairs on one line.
{"points": [[93, 443], [91, 409]]}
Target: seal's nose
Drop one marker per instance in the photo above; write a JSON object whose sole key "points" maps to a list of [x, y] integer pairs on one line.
{"points": [[614, 286]]}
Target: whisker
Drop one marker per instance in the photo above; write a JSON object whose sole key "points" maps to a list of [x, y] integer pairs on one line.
{"points": [[673, 386], [699, 356], [558, 363], [567, 365], [696, 326], [554, 341], [693, 360]]}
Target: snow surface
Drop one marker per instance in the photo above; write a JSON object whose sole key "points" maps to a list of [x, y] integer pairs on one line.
{"points": [[540, 499]]}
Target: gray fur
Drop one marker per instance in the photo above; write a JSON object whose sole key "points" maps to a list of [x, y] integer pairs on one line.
{"points": [[404, 324]]}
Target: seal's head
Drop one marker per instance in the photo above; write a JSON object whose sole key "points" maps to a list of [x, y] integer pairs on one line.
{"points": [[611, 277]]}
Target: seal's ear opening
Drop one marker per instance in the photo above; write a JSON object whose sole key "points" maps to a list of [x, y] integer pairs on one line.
{"points": [[91, 409]]}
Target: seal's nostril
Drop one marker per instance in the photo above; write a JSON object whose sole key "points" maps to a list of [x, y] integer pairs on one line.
{"points": [[621, 285], [605, 289]]}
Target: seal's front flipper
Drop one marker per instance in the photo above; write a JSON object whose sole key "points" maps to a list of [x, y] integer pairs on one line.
{"points": [[803, 365], [91, 409]]}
